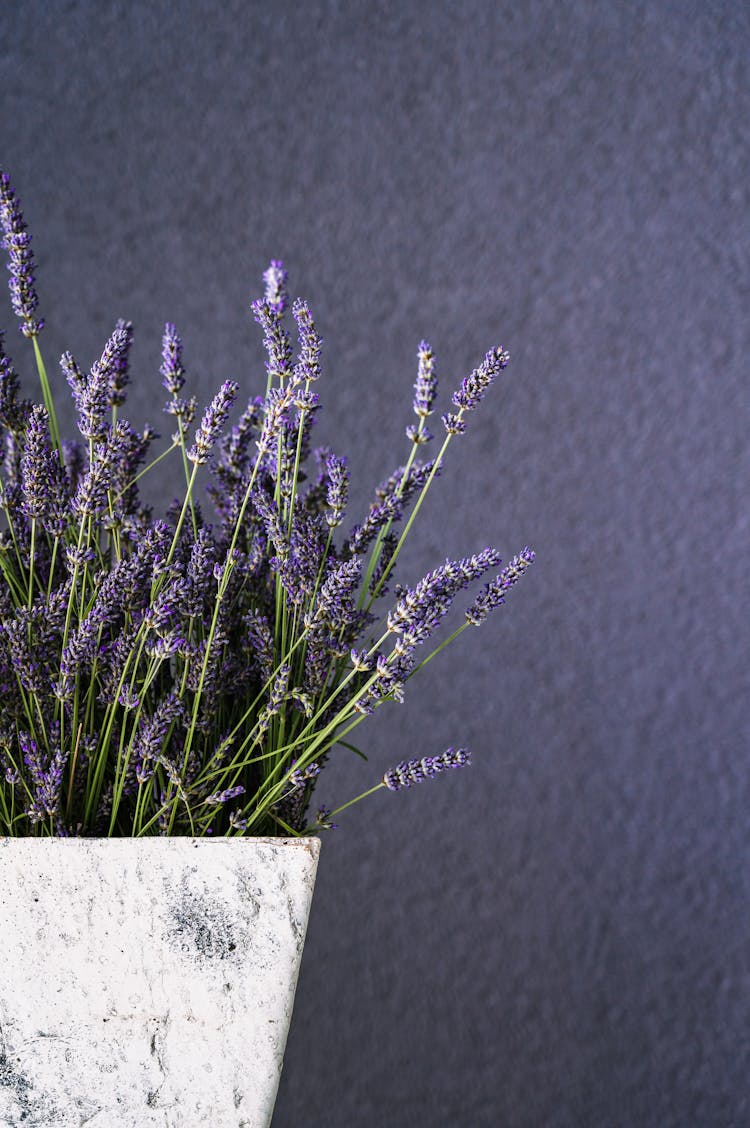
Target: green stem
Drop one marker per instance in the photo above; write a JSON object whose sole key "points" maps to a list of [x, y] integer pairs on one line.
{"points": [[32, 551], [422, 494], [351, 803], [47, 396], [145, 470]]}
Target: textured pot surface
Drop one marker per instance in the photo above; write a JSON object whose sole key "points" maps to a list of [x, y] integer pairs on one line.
{"points": [[148, 983]]}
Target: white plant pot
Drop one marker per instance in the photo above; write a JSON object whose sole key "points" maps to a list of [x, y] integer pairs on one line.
{"points": [[148, 983]]}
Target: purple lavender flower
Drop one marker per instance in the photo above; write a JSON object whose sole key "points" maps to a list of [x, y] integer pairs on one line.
{"points": [[46, 777], [361, 536], [305, 400], [275, 338], [308, 365], [171, 370], [453, 423], [200, 586], [26, 660], [119, 375], [361, 660], [419, 434], [338, 485], [406, 482], [221, 797], [234, 447], [388, 546], [71, 370], [128, 698], [409, 772], [473, 387], [11, 773], [279, 690], [10, 483], [419, 611], [128, 451], [425, 390], [493, 594], [38, 477], [74, 462], [93, 395], [299, 777], [275, 278], [268, 511], [277, 405], [77, 558], [184, 412], [322, 649], [214, 418], [323, 819], [13, 411], [152, 733], [260, 643], [81, 649], [393, 671], [91, 496], [17, 242], [333, 605]]}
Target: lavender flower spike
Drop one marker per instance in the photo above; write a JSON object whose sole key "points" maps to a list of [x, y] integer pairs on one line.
{"points": [[419, 611], [275, 279], [425, 390], [119, 375], [171, 370], [425, 387], [473, 387], [338, 483], [93, 397], [17, 242], [308, 365], [214, 418], [38, 477], [12, 408], [275, 339], [46, 778], [493, 593], [220, 797], [409, 772]]}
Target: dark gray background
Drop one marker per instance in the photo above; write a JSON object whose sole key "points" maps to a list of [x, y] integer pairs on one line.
{"points": [[557, 936]]}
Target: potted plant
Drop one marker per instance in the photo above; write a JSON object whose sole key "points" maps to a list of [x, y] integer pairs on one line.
{"points": [[172, 688]]}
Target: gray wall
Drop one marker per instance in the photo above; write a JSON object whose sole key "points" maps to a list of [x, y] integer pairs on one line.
{"points": [[557, 936]]}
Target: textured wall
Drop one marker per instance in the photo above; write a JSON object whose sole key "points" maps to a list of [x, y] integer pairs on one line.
{"points": [[559, 935]]}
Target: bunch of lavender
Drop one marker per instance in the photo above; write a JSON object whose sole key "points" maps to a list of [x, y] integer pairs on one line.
{"points": [[183, 676]]}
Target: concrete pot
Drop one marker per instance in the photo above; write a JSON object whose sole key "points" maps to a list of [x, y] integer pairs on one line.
{"points": [[148, 983]]}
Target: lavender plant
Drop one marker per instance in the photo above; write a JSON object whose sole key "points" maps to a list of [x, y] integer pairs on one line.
{"points": [[179, 676]]}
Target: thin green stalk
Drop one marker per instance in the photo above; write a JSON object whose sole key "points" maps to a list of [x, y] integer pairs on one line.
{"points": [[32, 551], [437, 649], [74, 760], [343, 807], [384, 531], [145, 470], [183, 511], [52, 566], [47, 396]]}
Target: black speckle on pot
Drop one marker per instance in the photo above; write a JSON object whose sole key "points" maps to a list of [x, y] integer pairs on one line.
{"points": [[201, 925], [33, 1110], [12, 1078]]}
